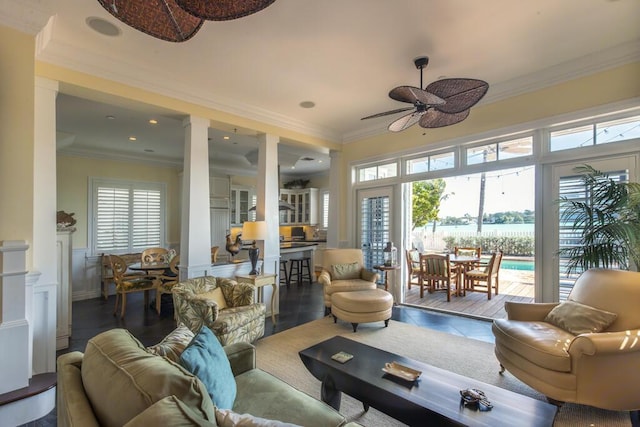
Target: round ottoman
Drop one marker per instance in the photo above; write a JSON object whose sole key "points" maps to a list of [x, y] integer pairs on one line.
{"points": [[371, 305]]}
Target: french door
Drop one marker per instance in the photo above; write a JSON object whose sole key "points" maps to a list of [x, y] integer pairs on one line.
{"points": [[562, 181], [374, 223]]}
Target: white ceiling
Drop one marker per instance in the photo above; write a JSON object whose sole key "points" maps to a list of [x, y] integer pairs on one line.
{"points": [[344, 55]]}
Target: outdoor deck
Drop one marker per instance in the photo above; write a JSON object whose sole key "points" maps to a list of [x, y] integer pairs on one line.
{"points": [[515, 285]]}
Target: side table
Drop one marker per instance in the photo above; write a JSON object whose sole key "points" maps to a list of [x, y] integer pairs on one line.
{"points": [[385, 270], [259, 281]]}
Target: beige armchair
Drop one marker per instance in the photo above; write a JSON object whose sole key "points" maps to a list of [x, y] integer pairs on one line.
{"points": [[343, 271], [223, 305], [600, 369]]}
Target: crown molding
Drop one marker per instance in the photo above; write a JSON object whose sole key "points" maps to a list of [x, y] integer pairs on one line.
{"points": [[155, 80], [27, 16]]}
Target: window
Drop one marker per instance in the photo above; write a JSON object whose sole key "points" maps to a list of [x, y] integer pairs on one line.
{"points": [[496, 151], [595, 134], [325, 210], [432, 162], [371, 173], [127, 216]]}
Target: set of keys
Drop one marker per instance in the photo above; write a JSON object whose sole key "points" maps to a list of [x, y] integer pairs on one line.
{"points": [[473, 396]]}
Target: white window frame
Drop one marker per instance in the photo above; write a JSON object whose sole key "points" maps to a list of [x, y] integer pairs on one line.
{"points": [[96, 182]]}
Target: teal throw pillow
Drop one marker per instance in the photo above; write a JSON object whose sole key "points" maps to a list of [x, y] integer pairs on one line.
{"points": [[205, 358]]}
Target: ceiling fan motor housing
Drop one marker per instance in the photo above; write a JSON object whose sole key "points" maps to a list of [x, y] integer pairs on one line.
{"points": [[421, 62]]}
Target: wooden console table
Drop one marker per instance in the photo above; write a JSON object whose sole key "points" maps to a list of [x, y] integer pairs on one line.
{"points": [[259, 281]]}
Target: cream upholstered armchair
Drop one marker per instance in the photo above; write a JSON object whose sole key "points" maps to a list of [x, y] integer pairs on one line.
{"points": [[223, 305], [585, 350], [343, 271]]}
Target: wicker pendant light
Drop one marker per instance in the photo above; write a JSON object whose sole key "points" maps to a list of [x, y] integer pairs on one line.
{"points": [[162, 19], [223, 10]]}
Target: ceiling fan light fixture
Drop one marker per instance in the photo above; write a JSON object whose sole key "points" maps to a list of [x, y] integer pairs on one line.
{"points": [[223, 10], [162, 19]]}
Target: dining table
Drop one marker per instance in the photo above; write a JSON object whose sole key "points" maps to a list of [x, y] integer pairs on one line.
{"points": [[463, 263], [155, 269]]}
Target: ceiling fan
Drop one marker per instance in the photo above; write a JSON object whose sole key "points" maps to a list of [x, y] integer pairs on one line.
{"points": [[442, 103]]}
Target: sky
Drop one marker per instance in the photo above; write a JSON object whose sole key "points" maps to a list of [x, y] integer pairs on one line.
{"points": [[505, 190]]}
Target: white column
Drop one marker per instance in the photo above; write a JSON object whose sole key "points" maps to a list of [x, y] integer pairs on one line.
{"points": [[335, 181], [43, 322], [195, 236], [267, 198]]}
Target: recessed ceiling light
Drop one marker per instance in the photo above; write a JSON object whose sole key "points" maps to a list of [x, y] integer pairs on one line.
{"points": [[153, 121], [133, 138], [110, 117], [307, 104], [225, 137], [103, 26]]}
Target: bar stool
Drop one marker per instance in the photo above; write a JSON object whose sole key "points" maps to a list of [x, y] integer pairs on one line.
{"points": [[301, 270], [284, 274]]}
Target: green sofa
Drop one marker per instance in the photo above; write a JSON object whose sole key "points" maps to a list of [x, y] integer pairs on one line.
{"points": [[119, 382]]}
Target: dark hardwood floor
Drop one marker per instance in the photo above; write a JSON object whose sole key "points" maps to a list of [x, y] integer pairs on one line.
{"points": [[298, 305]]}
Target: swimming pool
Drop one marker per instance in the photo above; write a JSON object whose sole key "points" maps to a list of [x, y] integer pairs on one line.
{"points": [[511, 264]]}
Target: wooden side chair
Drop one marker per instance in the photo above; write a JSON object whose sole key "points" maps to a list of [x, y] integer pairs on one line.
{"points": [[413, 267], [487, 278], [435, 274], [167, 280], [127, 284]]}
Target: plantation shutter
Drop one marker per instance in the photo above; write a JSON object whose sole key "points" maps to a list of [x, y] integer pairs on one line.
{"points": [[146, 219], [112, 219], [127, 217], [325, 210], [573, 189]]}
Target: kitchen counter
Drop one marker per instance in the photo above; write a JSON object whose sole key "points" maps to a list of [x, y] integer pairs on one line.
{"points": [[298, 248]]}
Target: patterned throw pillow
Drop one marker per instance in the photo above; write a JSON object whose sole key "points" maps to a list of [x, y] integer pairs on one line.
{"points": [[579, 318], [173, 344], [216, 295], [345, 271], [227, 418]]}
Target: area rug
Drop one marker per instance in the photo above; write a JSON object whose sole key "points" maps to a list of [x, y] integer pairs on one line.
{"points": [[278, 355]]}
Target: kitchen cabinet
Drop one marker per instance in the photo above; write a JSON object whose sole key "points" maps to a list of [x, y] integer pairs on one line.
{"points": [[242, 199], [219, 187], [305, 204]]}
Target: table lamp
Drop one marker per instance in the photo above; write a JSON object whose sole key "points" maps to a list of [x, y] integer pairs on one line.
{"points": [[254, 230]]}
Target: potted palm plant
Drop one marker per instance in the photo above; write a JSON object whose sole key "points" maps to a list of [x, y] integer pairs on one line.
{"points": [[607, 221]]}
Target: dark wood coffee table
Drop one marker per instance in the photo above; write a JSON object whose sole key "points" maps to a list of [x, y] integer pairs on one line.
{"points": [[434, 398]]}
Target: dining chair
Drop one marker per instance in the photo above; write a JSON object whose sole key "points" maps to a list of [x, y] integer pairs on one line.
{"points": [[214, 254], [435, 274], [167, 280], [487, 277], [127, 284], [475, 251], [413, 267], [153, 256]]}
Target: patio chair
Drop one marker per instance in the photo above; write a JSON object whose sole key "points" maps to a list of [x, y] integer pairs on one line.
{"points": [[413, 267], [435, 274], [484, 279]]}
